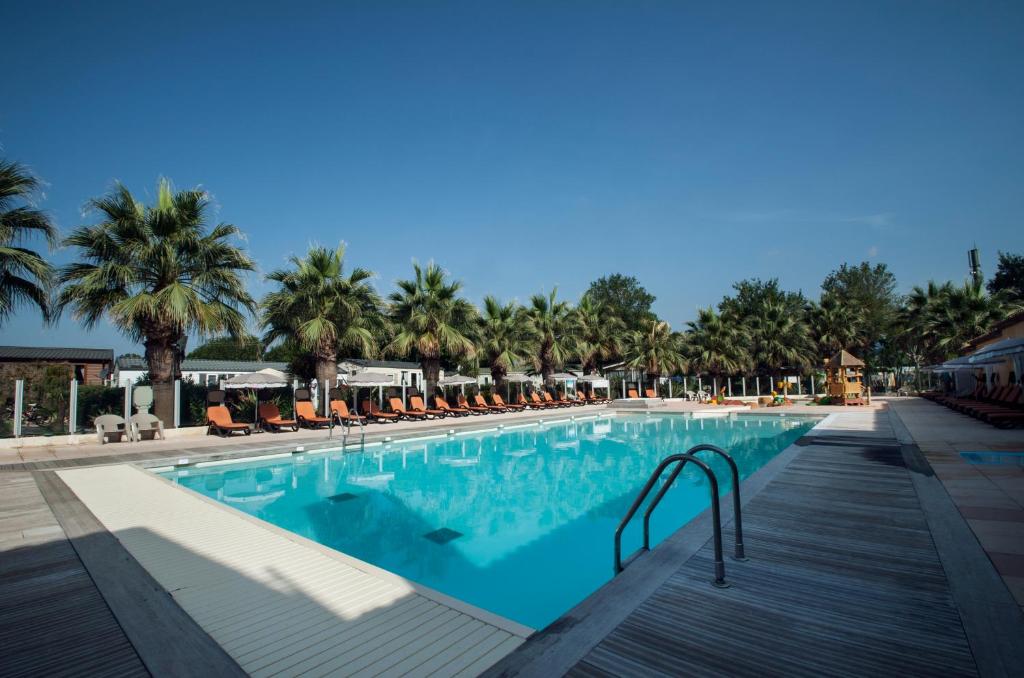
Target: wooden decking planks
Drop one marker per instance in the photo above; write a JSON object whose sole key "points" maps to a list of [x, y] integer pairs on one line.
{"points": [[843, 579], [53, 620], [278, 604]]}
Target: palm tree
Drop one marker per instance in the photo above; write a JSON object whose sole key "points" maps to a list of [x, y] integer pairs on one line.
{"points": [[431, 320], [958, 314], [550, 323], [599, 334], [323, 309], [834, 325], [715, 346], [654, 349], [780, 338], [503, 337], [25, 277], [159, 273]]}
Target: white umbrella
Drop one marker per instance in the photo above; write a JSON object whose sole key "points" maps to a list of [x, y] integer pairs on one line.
{"points": [[457, 380], [367, 380], [254, 380], [515, 378]]}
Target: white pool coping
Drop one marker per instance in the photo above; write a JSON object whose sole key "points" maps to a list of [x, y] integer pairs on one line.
{"points": [[281, 604]]}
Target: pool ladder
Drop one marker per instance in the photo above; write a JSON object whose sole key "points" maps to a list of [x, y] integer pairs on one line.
{"points": [[680, 461]]}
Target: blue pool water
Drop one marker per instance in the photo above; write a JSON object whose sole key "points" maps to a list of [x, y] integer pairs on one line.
{"points": [[518, 522]]}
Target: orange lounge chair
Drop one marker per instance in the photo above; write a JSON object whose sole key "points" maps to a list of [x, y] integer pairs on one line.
{"points": [[650, 393], [442, 404], [538, 403], [631, 393], [463, 403], [376, 414], [479, 400], [218, 418], [416, 405], [398, 408], [555, 403], [270, 418], [339, 410], [529, 403], [308, 417], [500, 402]]}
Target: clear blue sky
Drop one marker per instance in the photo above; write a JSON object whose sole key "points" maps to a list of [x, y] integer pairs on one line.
{"points": [[525, 145]]}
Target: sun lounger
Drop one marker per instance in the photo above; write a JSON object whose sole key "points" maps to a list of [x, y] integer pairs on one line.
{"points": [[143, 423], [308, 417], [442, 404], [480, 402], [270, 418], [371, 410], [536, 402], [416, 404], [500, 402], [341, 414], [555, 403], [475, 409], [650, 393], [398, 408], [631, 393], [218, 419], [111, 425]]}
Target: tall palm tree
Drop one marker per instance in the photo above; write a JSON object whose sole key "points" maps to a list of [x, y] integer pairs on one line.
{"points": [[159, 273], [503, 337], [323, 309], [431, 320], [714, 346], [655, 349], [959, 314], [25, 277], [780, 338], [600, 334], [834, 325], [550, 323]]}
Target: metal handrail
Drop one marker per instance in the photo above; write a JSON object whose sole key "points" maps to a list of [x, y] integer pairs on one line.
{"points": [[716, 518], [738, 552]]}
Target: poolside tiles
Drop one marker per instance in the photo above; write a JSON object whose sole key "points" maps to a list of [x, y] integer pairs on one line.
{"points": [[279, 604]]}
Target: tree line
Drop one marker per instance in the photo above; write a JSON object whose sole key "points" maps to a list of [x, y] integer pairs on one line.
{"points": [[163, 272]]}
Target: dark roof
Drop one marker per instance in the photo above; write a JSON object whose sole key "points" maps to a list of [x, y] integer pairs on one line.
{"points": [[68, 354], [845, 359], [395, 364], [996, 330], [202, 365]]}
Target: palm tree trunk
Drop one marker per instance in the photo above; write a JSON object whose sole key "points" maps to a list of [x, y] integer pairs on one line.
{"points": [[431, 373], [160, 356], [498, 375], [326, 370]]}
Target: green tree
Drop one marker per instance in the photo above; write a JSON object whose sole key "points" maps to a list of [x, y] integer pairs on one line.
{"points": [[715, 346], [503, 337], [323, 309], [160, 273], [780, 339], [655, 349], [25, 276], [624, 297], [834, 325], [431, 320], [246, 347], [550, 323], [870, 292], [1009, 277], [599, 335]]}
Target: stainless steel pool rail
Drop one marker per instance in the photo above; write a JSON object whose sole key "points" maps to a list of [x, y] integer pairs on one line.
{"points": [[680, 461]]}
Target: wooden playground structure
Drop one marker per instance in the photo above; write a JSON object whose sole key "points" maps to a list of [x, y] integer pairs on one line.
{"points": [[844, 377]]}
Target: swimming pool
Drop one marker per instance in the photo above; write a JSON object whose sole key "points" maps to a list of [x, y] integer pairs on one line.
{"points": [[518, 522]]}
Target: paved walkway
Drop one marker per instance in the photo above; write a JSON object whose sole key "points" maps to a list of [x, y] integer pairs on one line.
{"points": [[990, 496]]}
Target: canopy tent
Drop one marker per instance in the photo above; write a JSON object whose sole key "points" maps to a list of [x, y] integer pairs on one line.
{"points": [[1012, 348], [596, 381], [515, 378], [966, 367], [456, 380], [566, 378], [367, 380]]}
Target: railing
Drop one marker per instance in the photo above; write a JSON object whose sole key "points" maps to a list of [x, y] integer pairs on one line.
{"points": [[680, 460]]}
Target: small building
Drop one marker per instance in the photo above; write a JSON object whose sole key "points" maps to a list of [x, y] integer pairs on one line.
{"points": [[199, 371], [844, 378], [400, 371], [1004, 368], [89, 366]]}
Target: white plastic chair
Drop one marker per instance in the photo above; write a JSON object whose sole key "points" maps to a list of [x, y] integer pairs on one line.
{"points": [[145, 422], [111, 425]]}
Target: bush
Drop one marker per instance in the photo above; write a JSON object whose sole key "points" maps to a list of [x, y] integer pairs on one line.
{"points": [[94, 401]]}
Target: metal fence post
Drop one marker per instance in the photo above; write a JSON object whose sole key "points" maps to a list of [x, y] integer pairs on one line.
{"points": [[728, 383], [19, 405], [799, 386], [327, 404], [73, 408], [177, 403], [759, 385], [743, 384], [127, 401], [813, 390]]}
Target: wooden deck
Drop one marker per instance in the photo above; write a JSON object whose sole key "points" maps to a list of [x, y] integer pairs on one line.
{"points": [[53, 620], [843, 579]]}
